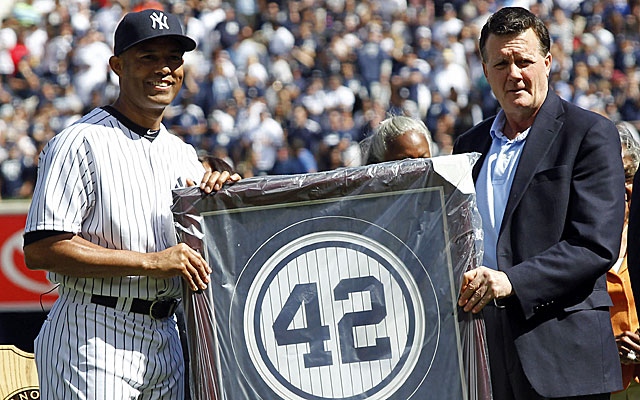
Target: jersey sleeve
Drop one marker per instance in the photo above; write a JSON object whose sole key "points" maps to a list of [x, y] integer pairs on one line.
{"points": [[190, 166], [65, 184]]}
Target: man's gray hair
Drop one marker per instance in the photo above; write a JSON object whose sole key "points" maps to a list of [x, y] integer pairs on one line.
{"points": [[389, 130], [630, 151]]}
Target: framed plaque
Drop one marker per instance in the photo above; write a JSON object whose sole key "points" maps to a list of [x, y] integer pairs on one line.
{"points": [[335, 285]]}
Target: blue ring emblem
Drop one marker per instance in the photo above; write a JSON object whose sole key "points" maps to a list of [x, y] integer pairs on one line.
{"points": [[334, 316]]}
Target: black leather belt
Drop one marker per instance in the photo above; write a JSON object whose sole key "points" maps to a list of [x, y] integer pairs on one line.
{"points": [[156, 309]]}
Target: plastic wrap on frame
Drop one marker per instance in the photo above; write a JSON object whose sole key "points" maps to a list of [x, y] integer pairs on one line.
{"points": [[381, 203]]}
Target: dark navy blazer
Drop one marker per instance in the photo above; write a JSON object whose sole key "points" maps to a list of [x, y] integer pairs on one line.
{"points": [[560, 233]]}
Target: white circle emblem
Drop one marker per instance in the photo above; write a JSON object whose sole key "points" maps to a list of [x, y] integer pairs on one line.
{"points": [[334, 315]]}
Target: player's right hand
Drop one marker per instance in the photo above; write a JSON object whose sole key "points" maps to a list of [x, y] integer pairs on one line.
{"points": [[180, 260]]}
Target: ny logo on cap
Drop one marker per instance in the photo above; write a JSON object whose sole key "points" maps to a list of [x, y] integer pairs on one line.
{"points": [[161, 20]]}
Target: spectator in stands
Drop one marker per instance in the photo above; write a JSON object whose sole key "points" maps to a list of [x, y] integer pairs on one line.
{"points": [[373, 61], [228, 30], [390, 55], [303, 128], [266, 138], [16, 175], [338, 96]]}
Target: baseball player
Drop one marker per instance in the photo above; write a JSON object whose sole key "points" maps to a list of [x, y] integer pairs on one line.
{"points": [[100, 224]]}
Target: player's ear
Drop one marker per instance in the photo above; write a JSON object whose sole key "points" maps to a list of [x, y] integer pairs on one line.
{"points": [[116, 64]]}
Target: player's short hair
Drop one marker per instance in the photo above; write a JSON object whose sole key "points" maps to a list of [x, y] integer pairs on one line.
{"points": [[389, 130], [512, 21], [630, 152]]}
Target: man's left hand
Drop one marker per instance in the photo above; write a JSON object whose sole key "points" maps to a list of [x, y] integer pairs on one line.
{"points": [[213, 180], [482, 285]]}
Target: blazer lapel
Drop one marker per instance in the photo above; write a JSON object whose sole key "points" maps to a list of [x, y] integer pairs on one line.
{"points": [[543, 131]]}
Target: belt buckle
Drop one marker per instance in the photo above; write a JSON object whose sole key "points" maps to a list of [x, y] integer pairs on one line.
{"points": [[172, 307]]}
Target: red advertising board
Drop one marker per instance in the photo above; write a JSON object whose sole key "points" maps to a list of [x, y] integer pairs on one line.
{"points": [[20, 288]]}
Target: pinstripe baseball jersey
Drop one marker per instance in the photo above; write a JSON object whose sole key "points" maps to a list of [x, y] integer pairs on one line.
{"points": [[109, 181]]}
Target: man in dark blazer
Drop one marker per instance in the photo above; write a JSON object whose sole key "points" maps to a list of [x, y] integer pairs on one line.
{"points": [[550, 190]]}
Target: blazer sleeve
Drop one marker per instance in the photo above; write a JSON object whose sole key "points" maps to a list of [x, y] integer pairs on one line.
{"points": [[566, 274]]}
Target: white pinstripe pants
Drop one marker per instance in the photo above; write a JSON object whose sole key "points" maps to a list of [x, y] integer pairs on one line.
{"points": [[88, 351]]}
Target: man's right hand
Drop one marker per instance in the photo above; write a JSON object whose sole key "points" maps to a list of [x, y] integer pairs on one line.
{"points": [[180, 260]]}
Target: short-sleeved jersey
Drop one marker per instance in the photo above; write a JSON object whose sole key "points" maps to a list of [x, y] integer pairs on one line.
{"points": [[111, 186]]}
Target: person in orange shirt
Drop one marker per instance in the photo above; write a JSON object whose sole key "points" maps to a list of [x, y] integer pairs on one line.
{"points": [[624, 317]]}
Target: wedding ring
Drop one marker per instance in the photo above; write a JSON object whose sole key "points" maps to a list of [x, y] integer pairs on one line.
{"points": [[631, 355]]}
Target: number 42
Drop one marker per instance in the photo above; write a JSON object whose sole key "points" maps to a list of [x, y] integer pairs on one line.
{"points": [[315, 333]]}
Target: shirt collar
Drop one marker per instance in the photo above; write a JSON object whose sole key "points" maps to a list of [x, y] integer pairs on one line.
{"points": [[132, 126], [497, 127]]}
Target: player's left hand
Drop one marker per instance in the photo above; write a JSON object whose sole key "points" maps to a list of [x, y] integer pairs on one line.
{"points": [[213, 180], [482, 285]]}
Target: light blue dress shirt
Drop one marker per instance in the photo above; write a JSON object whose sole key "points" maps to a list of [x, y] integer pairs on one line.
{"points": [[494, 184]]}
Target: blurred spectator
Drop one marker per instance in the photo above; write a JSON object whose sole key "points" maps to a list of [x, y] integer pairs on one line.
{"points": [[257, 72], [438, 108], [17, 175], [216, 89], [301, 128], [451, 75], [338, 96], [90, 62], [314, 98], [8, 40], [373, 61], [266, 138], [247, 10], [281, 41], [187, 121], [228, 31], [448, 25], [287, 163], [561, 30], [303, 155]]}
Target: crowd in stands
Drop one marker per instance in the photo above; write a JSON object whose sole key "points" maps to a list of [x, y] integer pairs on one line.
{"points": [[281, 87]]}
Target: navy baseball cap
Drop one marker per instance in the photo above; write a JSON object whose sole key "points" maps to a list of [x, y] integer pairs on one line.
{"points": [[139, 26]]}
